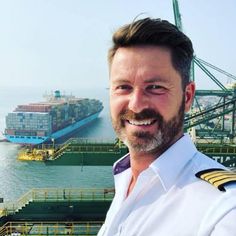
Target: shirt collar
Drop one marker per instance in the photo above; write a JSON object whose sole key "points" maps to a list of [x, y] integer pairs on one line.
{"points": [[170, 164], [167, 166], [122, 164]]}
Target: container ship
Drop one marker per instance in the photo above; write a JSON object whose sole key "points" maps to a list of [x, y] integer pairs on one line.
{"points": [[54, 118]]}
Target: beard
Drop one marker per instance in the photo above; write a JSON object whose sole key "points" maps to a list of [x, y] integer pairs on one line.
{"points": [[146, 142]]}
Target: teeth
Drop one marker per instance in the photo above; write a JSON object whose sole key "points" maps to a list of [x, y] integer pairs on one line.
{"points": [[140, 122]]}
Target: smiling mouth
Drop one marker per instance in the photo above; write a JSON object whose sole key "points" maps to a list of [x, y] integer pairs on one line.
{"points": [[142, 122]]}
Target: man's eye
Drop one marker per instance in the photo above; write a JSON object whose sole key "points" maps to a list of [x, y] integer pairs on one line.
{"points": [[124, 87], [155, 88]]}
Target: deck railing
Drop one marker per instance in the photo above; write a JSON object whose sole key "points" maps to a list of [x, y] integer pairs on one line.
{"points": [[55, 194], [87, 145], [94, 149], [217, 149], [51, 228]]}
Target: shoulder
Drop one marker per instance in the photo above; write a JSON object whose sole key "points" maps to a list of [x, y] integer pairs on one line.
{"points": [[219, 219], [217, 185], [213, 173]]}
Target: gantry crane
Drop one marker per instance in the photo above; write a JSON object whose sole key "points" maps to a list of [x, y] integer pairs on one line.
{"points": [[210, 122], [212, 127]]}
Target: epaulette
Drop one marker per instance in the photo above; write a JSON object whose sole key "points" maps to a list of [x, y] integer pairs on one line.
{"points": [[217, 177]]}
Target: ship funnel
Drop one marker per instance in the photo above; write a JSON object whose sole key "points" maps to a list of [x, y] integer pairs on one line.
{"points": [[57, 94]]}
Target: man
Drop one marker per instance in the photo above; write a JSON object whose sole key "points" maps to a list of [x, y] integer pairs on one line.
{"points": [[159, 190]]}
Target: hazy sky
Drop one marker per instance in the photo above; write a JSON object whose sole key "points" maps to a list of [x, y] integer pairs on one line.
{"points": [[64, 43]]}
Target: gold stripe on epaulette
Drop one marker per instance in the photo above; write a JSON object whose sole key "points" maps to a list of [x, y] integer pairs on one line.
{"points": [[212, 174], [217, 177], [222, 182]]}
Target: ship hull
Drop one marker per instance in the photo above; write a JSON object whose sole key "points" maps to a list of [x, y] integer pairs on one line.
{"points": [[58, 134]]}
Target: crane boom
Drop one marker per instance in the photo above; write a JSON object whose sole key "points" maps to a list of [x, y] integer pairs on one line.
{"points": [[177, 15], [216, 68]]}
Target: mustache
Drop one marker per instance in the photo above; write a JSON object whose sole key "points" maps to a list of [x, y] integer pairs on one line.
{"points": [[144, 114]]}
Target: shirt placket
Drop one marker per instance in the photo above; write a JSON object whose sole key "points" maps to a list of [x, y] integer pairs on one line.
{"points": [[143, 185]]}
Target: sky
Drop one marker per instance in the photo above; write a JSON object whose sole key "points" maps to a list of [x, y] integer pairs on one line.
{"points": [[64, 43]]}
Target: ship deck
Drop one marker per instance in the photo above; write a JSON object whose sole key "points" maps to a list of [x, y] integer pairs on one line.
{"points": [[56, 212]]}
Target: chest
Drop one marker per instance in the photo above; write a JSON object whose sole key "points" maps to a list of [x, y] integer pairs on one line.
{"points": [[176, 212]]}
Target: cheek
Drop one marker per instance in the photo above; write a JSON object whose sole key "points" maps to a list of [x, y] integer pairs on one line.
{"points": [[162, 103], [116, 105], [167, 106]]}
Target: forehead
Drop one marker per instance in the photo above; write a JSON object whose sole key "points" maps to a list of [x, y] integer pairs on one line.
{"points": [[154, 52], [142, 61]]}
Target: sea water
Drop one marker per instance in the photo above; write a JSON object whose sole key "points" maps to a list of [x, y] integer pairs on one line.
{"points": [[17, 177]]}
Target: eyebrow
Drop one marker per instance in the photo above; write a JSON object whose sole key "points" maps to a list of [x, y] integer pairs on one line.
{"points": [[148, 81], [156, 79], [121, 81]]}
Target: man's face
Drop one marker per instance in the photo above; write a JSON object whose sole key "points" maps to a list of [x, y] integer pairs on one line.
{"points": [[147, 101]]}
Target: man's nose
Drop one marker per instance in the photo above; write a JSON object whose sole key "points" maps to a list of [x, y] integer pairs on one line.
{"points": [[138, 101]]}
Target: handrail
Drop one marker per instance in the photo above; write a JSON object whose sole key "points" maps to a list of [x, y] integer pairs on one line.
{"points": [[55, 194], [89, 141], [87, 145], [215, 150], [10, 208], [51, 228], [59, 151], [94, 149], [110, 146]]}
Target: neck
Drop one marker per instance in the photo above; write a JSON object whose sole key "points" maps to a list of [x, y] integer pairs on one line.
{"points": [[139, 161]]}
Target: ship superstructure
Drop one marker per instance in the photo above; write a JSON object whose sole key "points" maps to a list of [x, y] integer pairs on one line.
{"points": [[58, 116]]}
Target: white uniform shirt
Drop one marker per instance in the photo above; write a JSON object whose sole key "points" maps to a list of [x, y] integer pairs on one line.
{"points": [[168, 200]]}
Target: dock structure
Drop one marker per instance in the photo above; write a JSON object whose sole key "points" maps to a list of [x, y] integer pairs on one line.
{"points": [[86, 152], [83, 152]]}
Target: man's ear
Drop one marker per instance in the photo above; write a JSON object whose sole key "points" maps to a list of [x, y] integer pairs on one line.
{"points": [[189, 95]]}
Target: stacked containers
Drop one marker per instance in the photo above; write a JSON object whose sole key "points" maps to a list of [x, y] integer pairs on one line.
{"points": [[42, 119], [28, 123], [95, 106], [60, 116]]}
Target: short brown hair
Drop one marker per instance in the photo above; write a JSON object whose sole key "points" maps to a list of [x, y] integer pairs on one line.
{"points": [[156, 32]]}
